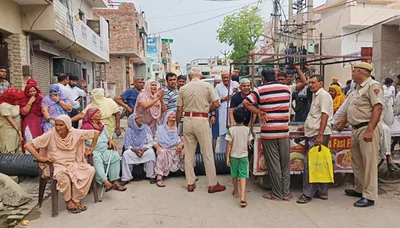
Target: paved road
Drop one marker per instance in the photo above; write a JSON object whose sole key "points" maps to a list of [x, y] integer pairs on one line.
{"points": [[145, 205]]}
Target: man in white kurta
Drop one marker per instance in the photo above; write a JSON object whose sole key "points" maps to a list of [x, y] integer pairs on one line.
{"points": [[225, 90]]}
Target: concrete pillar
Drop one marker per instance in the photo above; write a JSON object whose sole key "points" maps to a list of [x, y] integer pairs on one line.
{"points": [[17, 57], [386, 55]]}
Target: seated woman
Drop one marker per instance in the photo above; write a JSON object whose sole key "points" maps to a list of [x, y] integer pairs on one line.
{"points": [[104, 152], [65, 148], [10, 122], [53, 105], [169, 148], [138, 149], [109, 111], [337, 96]]}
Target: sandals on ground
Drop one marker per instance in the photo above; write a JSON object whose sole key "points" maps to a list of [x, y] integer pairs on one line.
{"points": [[153, 180], [243, 203], [74, 210], [288, 197], [271, 196], [113, 186], [158, 183], [318, 196], [82, 208], [303, 199], [120, 188]]}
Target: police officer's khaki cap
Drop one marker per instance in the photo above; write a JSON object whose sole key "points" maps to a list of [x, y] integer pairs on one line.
{"points": [[364, 65]]}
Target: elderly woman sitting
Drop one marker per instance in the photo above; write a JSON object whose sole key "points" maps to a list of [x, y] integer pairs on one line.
{"points": [[104, 153], [65, 147], [169, 148], [138, 149]]}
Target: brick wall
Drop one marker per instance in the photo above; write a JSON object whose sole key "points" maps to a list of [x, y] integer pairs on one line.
{"points": [[115, 73], [17, 57], [124, 35], [41, 70]]}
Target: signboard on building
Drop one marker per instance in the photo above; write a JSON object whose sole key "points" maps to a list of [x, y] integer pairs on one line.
{"points": [[152, 48], [202, 62]]}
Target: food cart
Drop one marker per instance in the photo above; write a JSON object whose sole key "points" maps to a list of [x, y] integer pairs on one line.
{"points": [[339, 144]]}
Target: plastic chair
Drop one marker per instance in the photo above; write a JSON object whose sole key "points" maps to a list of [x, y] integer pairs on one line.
{"points": [[53, 188]]}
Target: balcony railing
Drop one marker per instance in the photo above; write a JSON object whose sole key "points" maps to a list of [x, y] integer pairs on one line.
{"points": [[80, 33]]}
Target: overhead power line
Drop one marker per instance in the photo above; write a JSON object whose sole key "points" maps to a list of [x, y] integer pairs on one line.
{"points": [[172, 7], [350, 33], [208, 19], [194, 13]]}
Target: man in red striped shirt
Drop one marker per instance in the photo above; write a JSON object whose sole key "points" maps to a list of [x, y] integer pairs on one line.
{"points": [[273, 100]]}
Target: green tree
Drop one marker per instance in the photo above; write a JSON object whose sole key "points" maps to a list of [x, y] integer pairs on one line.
{"points": [[241, 31]]}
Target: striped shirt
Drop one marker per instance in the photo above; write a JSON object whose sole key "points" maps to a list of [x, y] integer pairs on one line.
{"points": [[274, 99], [170, 99]]}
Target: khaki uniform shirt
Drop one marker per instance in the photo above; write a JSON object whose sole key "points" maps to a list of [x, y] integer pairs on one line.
{"points": [[367, 94], [321, 103], [196, 96]]}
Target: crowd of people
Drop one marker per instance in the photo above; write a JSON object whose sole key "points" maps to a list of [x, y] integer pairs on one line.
{"points": [[47, 126]]}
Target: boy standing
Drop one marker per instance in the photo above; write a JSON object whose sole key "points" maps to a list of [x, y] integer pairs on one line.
{"points": [[237, 154]]}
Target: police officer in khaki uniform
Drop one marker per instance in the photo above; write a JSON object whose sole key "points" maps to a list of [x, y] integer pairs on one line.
{"points": [[196, 99], [364, 115]]}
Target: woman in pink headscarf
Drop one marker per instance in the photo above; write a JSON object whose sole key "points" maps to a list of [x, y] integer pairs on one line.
{"points": [[64, 146], [150, 105]]}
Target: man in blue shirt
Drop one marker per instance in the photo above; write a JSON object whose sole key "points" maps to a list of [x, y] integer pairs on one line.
{"points": [[128, 98]]}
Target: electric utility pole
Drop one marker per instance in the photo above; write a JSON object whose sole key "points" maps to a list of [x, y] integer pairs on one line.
{"points": [[276, 22], [225, 53]]}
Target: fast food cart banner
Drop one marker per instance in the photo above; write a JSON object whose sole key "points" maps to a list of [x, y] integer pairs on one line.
{"points": [[339, 145]]}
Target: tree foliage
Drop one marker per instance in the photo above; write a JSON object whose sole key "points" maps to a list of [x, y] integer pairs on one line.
{"points": [[241, 31]]}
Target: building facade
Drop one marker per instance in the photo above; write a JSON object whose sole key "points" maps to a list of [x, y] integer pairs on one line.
{"points": [[345, 19], [43, 38], [154, 59], [344, 27], [176, 68], [209, 67], [128, 33]]}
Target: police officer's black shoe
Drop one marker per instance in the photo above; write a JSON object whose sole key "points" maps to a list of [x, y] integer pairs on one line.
{"points": [[364, 203], [351, 192]]}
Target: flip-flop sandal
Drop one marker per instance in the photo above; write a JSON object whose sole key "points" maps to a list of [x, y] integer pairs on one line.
{"points": [[74, 210], [288, 197], [235, 196], [82, 208], [320, 197], [121, 188], [159, 185], [113, 186], [271, 196], [243, 203], [153, 180], [391, 167], [303, 199]]}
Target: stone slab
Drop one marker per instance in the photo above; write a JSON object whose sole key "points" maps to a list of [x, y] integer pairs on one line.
{"points": [[11, 193]]}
